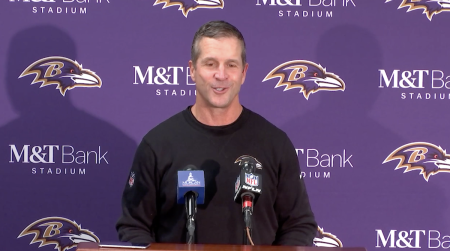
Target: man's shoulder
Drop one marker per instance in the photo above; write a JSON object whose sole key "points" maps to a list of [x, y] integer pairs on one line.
{"points": [[262, 125], [167, 127]]}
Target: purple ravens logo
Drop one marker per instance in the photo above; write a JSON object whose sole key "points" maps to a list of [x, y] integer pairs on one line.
{"points": [[63, 72], [309, 77], [429, 7], [324, 239], [429, 159], [189, 5], [61, 232], [249, 163]]}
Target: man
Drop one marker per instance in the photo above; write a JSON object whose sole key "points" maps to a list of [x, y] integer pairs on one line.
{"points": [[212, 134]]}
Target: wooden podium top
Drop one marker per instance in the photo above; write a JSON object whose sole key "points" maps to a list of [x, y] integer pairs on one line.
{"points": [[90, 246]]}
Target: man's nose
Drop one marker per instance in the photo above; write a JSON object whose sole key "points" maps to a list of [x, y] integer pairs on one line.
{"points": [[221, 73]]}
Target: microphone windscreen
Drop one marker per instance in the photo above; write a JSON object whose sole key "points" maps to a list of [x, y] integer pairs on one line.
{"points": [[191, 180], [190, 168]]}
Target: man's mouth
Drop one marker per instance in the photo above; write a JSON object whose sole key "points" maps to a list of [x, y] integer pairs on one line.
{"points": [[219, 89]]}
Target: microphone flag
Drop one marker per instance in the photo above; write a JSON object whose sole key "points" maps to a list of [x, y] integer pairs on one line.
{"points": [[192, 180]]}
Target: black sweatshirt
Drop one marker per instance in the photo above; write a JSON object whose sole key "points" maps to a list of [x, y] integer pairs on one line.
{"points": [[282, 214]]}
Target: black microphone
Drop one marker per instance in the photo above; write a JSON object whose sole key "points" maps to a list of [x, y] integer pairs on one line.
{"points": [[191, 191], [247, 189], [248, 182]]}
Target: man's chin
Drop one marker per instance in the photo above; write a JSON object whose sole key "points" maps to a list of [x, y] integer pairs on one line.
{"points": [[220, 105], [225, 103], [217, 102]]}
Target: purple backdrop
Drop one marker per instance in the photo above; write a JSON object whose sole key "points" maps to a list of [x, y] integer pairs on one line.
{"points": [[372, 152]]}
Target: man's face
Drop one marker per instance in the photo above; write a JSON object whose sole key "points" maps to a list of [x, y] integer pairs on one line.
{"points": [[219, 72]]}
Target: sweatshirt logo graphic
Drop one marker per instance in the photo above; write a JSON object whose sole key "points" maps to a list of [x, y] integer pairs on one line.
{"points": [[305, 75], [61, 232], [324, 239], [190, 5], [428, 7], [131, 179], [427, 158], [63, 72]]}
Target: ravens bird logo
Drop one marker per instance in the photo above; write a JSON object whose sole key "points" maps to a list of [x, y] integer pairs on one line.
{"points": [[308, 76], [324, 239], [63, 72], [429, 7], [429, 159], [61, 232], [249, 163], [189, 5]]}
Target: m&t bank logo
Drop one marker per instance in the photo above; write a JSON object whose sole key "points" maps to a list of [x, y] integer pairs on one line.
{"points": [[412, 239]]}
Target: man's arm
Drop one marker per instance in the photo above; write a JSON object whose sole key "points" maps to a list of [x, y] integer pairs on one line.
{"points": [[296, 223], [139, 199]]}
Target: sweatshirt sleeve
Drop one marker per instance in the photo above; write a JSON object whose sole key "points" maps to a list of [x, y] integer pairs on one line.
{"points": [[139, 199], [296, 223]]}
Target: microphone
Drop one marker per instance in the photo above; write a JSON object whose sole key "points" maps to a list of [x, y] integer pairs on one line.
{"points": [[247, 189], [248, 182], [191, 191]]}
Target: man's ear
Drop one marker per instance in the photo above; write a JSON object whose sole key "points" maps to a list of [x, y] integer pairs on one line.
{"points": [[244, 73], [192, 70]]}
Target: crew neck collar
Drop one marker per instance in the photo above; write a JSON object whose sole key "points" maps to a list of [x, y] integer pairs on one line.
{"points": [[217, 130]]}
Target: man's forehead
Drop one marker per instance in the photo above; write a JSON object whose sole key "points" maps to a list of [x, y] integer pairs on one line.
{"points": [[231, 40], [207, 44]]}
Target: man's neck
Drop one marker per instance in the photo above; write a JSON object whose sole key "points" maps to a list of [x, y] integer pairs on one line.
{"points": [[216, 116]]}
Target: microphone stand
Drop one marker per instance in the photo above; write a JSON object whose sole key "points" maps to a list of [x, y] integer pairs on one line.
{"points": [[191, 209], [247, 211]]}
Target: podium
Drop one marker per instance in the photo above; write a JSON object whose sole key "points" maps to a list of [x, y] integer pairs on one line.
{"points": [[90, 246]]}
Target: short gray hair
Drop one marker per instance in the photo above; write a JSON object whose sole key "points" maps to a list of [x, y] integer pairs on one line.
{"points": [[216, 29]]}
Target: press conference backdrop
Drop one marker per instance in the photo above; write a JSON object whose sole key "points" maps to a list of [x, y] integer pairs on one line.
{"points": [[360, 86]]}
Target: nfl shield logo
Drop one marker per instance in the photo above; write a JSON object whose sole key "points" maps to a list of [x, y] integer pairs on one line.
{"points": [[251, 179], [131, 180]]}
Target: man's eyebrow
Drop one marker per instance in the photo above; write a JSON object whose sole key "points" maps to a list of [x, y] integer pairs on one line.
{"points": [[236, 61], [208, 59]]}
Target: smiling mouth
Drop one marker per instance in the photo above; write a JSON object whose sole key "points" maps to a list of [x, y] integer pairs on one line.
{"points": [[219, 89]]}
